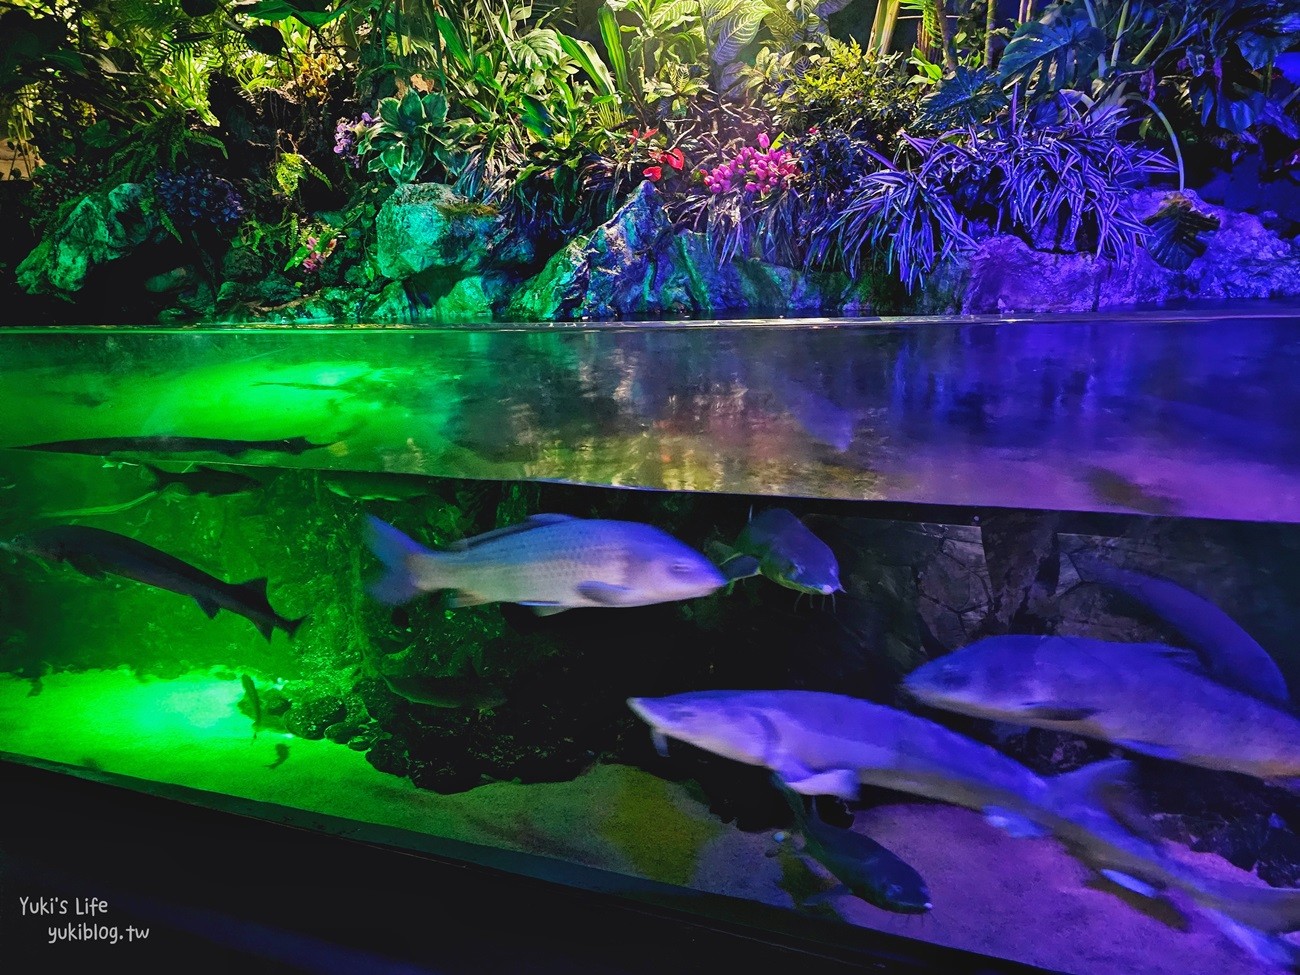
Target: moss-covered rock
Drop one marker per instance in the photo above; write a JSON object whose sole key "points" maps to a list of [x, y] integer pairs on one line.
{"points": [[103, 227], [428, 225]]}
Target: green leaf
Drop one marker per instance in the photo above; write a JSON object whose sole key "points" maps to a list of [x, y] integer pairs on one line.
{"points": [[410, 112], [1056, 49], [265, 39], [609, 34], [734, 32], [586, 57], [435, 108], [535, 117], [967, 98], [388, 112], [452, 40], [1174, 238], [272, 10]]}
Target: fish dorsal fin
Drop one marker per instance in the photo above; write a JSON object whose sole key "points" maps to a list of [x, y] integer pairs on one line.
{"points": [[528, 524]]}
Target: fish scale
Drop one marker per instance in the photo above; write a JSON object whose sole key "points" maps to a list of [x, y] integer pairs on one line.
{"points": [[551, 562]]}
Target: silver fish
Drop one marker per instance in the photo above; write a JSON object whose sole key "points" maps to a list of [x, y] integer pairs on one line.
{"points": [[821, 743], [1147, 697], [1230, 655], [549, 562]]}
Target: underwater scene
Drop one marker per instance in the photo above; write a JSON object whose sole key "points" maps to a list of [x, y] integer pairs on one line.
{"points": [[937, 629]]}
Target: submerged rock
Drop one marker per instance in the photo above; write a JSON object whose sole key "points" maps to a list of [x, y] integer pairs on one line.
{"points": [[310, 718]]}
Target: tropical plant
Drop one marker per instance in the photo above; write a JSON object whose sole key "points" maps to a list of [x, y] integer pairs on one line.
{"points": [[408, 136], [1065, 186], [847, 89]]}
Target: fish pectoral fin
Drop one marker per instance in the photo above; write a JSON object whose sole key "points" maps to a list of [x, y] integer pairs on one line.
{"points": [[1150, 748], [839, 782], [1057, 711], [1013, 823], [87, 565], [740, 567], [546, 609], [604, 593], [457, 598], [1139, 887], [208, 605]]}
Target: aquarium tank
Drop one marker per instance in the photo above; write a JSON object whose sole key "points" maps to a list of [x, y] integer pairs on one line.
{"points": [[821, 470]]}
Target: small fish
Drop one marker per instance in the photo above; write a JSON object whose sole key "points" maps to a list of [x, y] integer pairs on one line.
{"points": [[1229, 654], [1146, 697], [778, 546], [820, 743], [252, 703], [212, 481], [549, 562], [446, 692], [164, 444], [865, 868], [95, 553], [281, 755]]}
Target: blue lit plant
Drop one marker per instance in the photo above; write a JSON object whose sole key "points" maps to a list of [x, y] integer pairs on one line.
{"points": [[1060, 186]]}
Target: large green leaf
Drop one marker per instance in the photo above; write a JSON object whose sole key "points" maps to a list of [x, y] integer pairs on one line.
{"points": [[587, 58], [968, 97], [1174, 235], [734, 31], [612, 38], [451, 39], [1055, 51]]}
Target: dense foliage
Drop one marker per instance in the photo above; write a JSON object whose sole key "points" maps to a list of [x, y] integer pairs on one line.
{"points": [[276, 128]]}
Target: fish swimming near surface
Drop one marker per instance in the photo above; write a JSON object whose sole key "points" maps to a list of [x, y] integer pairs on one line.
{"points": [[211, 481], [864, 867], [165, 444], [368, 486], [549, 562], [95, 552], [778, 546], [1229, 654], [1146, 697], [822, 743]]}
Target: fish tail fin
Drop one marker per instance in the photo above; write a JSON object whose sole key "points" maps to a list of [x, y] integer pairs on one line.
{"points": [[398, 583], [1255, 912], [1108, 783], [1267, 948]]}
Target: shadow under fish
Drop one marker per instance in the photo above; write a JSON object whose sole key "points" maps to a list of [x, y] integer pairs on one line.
{"points": [[95, 553]]}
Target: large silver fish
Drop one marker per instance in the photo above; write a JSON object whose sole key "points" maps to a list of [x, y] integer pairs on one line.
{"points": [[1147, 697], [821, 743], [549, 562], [1229, 654]]}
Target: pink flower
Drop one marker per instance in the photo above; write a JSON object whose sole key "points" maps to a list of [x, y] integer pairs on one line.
{"points": [[763, 140], [652, 172]]}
